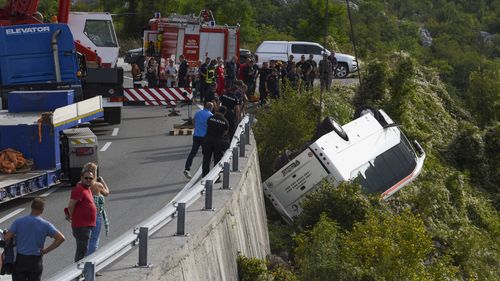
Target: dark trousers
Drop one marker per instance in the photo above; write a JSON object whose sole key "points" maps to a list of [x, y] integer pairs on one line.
{"points": [[231, 118], [197, 142], [183, 82], [82, 237], [27, 268], [212, 146]]}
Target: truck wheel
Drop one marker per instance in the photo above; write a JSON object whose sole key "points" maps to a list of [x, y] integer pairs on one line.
{"points": [[329, 124], [341, 71], [363, 110], [113, 115]]}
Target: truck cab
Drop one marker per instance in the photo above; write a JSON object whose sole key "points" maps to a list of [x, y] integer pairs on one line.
{"points": [[371, 147]]}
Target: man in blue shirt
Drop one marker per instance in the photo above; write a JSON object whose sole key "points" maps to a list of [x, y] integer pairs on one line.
{"points": [[30, 233], [200, 130]]}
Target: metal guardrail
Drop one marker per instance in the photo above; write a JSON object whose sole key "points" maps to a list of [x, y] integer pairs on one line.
{"points": [[187, 196]]}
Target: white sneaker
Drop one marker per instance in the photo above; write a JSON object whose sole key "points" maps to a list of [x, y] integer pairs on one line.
{"points": [[187, 174]]}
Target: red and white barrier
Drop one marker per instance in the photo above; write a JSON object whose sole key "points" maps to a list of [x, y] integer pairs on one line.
{"points": [[159, 96]]}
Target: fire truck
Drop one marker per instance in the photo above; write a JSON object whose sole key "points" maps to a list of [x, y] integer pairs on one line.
{"points": [[195, 37], [96, 46]]}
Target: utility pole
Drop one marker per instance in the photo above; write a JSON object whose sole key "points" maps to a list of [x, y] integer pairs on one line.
{"points": [[324, 51]]}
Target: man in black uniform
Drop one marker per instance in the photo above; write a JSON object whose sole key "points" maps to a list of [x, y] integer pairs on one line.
{"points": [[202, 73], [215, 142], [183, 72], [304, 68], [232, 103], [263, 73], [312, 74]]}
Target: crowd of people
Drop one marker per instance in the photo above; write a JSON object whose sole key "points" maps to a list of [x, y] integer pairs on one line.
{"points": [[85, 212], [213, 78]]}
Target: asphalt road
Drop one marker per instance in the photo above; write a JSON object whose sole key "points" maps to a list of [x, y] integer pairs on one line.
{"points": [[143, 166]]}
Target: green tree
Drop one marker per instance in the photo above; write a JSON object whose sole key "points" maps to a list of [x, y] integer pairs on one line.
{"points": [[484, 94], [346, 204], [287, 124], [390, 247], [318, 255]]}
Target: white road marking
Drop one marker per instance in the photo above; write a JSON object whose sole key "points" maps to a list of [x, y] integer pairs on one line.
{"points": [[48, 192], [11, 215], [106, 146], [115, 132], [130, 78]]}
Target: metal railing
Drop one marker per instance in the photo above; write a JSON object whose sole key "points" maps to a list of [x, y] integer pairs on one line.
{"points": [[187, 196]]}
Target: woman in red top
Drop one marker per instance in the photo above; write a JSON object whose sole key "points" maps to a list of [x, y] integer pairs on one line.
{"points": [[219, 71]]}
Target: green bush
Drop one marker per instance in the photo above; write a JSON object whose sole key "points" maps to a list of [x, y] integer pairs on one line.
{"points": [[346, 204]]}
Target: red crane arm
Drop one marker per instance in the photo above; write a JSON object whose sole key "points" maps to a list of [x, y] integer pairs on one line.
{"points": [[19, 12]]}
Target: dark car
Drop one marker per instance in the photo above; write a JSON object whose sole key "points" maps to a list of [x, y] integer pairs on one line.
{"points": [[135, 56]]}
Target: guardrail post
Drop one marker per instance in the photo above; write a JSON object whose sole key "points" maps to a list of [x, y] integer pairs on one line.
{"points": [[89, 271], [247, 133], [225, 176], [209, 184], [242, 145], [181, 219], [143, 247], [235, 159]]}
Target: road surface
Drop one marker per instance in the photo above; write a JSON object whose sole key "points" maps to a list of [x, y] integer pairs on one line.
{"points": [[143, 166]]}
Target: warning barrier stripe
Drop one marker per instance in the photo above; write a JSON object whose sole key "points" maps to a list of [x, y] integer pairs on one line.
{"points": [[158, 96]]}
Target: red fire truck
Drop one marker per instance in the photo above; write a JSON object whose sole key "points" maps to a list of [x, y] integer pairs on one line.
{"points": [[195, 37]]}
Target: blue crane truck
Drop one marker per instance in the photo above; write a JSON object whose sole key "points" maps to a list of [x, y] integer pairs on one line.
{"points": [[39, 70]]}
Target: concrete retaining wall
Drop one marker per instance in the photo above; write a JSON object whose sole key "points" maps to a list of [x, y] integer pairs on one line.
{"points": [[238, 225]]}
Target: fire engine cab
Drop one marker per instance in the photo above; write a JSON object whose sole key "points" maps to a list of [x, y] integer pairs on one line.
{"points": [[195, 37]]}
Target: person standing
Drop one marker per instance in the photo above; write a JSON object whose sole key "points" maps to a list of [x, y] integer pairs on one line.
{"points": [[325, 72], [200, 130], [232, 104], [263, 73], [136, 76], [30, 233], [312, 74], [210, 81], [171, 73], [232, 69], [82, 213], [152, 73], [202, 73], [219, 73], [215, 142], [99, 190], [183, 72]]}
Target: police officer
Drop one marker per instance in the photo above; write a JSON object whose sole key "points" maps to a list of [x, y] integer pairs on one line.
{"points": [[215, 142], [183, 72], [325, 73], [232, 103]]}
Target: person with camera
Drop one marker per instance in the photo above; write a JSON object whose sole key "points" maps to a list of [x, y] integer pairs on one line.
{"points": [[30, 233]]}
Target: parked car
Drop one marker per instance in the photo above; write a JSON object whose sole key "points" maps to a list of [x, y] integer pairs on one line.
{"points": [[135, 56], [281, 50], [371, 147]]}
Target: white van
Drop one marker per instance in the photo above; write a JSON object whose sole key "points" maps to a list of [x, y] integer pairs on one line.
{"points": [[281, 50], [372, 146]]}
